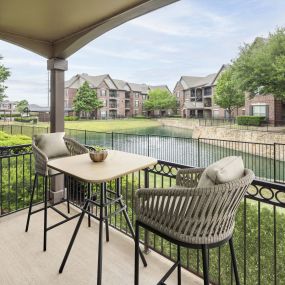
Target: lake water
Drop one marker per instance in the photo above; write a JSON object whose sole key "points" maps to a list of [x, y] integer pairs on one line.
{"points": [[161, 131]]}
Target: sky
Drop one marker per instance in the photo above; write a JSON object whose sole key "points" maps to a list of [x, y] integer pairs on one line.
{"points": [[189, 37]]}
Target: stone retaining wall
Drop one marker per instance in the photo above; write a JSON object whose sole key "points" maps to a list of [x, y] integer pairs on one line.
{"points": [[253, 142]]}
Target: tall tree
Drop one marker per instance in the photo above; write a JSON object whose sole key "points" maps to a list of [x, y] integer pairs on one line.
{"points": [[86, 100], [21, 105], [260, 66], [159, 99], [228, 95], [4, 74]]}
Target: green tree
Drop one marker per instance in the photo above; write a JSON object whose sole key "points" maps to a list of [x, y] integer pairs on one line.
{"points": [[4, 74], [228, 95], [21, 105], [260, 66], [160, 99], [86, 100]]}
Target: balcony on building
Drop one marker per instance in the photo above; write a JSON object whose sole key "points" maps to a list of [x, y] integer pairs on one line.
{"points": [[113, 105], [207, 102], [207, 91], [127, 95], [113, 94]]}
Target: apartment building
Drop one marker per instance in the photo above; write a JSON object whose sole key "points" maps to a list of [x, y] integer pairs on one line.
{"points": [[9, 106], [195, 97], [120, 98]]}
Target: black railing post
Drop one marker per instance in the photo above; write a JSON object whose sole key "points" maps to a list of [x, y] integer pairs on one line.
{"points": [[85, 137], [11, 130], [198, 152], [146, 232], [112, 140], [274, 161], [21, 129]]}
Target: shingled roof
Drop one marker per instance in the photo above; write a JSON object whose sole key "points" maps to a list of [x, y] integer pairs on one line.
{"points": [[200, 81]]}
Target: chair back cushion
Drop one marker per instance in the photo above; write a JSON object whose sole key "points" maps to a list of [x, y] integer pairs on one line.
{"points": [[52, 144], [225, 170]]}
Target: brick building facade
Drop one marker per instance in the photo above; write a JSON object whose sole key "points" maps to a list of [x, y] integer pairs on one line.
{"points": [[120, 98], [195, 96], [266, 105]]}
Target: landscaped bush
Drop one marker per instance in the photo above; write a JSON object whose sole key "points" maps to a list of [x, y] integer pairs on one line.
{"points": [[250, 120], [140, 117], [71, 118], [16, 115], [33, 120], [9, 140]]}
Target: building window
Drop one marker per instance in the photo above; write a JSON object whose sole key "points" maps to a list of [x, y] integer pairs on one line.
{"points": [[177, 94], [192, 92], [113, 93], [208, 91], [103, 92], [136, 94], [199, 95], [260, 110], [136, 103]]}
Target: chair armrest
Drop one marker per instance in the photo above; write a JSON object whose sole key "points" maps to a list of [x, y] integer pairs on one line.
{"points": [[75, 147], [189, 177], [41, 161]]}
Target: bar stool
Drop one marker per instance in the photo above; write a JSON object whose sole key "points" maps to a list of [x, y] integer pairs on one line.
{"points": [[47, 147]]}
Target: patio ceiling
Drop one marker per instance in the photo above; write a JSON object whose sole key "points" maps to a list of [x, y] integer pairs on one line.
{"points": [[57, 29]]}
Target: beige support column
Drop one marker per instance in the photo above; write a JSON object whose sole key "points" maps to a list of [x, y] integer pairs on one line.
{"points": [[57, 68]]}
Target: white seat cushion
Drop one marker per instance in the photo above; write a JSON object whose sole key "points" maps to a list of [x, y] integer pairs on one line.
{"points": [[222, 171], [52, 144]]}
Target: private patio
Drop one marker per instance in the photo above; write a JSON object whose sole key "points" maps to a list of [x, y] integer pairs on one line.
{"points": [[23, 261], [259, 232]]}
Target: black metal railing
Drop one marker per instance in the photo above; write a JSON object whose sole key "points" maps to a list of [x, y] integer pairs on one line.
{"points": [[267, 126], [259, 231], [266, 160]]}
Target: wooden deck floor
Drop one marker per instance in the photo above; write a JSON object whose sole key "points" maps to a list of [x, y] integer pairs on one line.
{"points": [[22, 261]]}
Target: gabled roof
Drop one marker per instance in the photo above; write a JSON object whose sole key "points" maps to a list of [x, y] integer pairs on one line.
{"points": [[143, 88], [94, 81], [162, 87], [200, 81], [115, 84], [121, 84]]}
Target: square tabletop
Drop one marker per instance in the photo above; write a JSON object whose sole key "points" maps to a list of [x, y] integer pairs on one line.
{"points": [[117, 164]]}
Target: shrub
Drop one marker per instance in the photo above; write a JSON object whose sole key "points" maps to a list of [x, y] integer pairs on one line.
{"points": [[250, 120], [140, 117], [33, 120], [14, 115], [71, 118], [9, 140]]}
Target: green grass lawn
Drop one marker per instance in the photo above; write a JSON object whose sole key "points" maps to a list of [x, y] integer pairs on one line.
{"points": [[108, 125]]}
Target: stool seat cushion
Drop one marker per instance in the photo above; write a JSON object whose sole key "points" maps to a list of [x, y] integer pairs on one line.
{"points": [[52, 144]]}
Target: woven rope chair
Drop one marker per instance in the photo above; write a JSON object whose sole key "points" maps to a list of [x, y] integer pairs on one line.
{"points": [[41, 169], [191, 217]]}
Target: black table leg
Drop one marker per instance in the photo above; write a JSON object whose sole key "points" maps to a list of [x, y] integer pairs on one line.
{"points": [[100, 245], [106, 213], [73, 237], [118, 192], [89, 208]]}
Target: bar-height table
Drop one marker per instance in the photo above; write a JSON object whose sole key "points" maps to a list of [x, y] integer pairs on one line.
{"points": [[116, 165]]}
